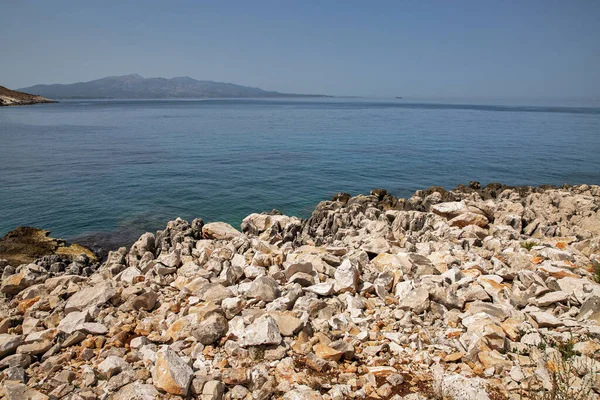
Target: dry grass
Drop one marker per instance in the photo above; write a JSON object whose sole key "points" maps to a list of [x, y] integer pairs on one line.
{"points": [[567, 381]]}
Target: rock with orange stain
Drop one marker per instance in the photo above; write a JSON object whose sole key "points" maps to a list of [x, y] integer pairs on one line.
{"points": [[537, 260], [492, 283], [13, 284], [555, 272], [327, 353], [171, 373], [467, 219], [494, 359], [452, 357], [382, 370], [512, 328], [24, 305]]}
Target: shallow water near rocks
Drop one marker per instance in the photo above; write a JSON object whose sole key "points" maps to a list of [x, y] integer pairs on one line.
{"points": [[82, 167]]}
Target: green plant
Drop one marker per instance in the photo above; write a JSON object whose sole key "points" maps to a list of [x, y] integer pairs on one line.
{"points": [[596, 273], [566, 349], [528, 245], [542, 345]]}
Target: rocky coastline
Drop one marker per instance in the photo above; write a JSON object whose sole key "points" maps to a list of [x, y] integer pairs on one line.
{"points": [[473, 293], [15, 98]]}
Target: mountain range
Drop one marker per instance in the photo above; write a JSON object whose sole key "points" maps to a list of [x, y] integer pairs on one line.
{"points": [[137, 87]]}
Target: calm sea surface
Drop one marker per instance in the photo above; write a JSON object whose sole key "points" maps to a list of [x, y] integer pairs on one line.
{"points": [[81, 167]]}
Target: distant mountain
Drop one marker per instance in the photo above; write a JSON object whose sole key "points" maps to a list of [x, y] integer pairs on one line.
{"points": [[137, 87], [13, 98]]}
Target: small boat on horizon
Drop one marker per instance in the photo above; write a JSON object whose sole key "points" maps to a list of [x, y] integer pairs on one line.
{"points": [[398, 97]]}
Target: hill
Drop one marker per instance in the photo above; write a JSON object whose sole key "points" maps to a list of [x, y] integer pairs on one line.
{"points": [[137, 87], [14, 98]]}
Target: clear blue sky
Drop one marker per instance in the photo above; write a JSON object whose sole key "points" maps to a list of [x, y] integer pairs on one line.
{"points": [[523, 49]]}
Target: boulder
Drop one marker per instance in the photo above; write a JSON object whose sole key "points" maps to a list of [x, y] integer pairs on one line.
{"points": [[112, 366], [18, 391], [9, 344], [346, 278], [213, 390], [214, 292], [263, 331], [210, 329], [467, 219], [73, 321], [450, 209], [416, 301], [89, 297], [137, 391], [264, 288], [145, 301], [288, 324], [171, 373], [220, 231]]}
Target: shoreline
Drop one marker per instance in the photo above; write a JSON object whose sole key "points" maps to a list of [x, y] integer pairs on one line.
{"points": [[101, 242], [467, 293]]}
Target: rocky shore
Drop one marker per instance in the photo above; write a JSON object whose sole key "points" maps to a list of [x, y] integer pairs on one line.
{"points": [[14, 98], [475, 293]]}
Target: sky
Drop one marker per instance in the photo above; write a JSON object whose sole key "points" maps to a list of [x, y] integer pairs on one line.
{"points": [[480, 49]]}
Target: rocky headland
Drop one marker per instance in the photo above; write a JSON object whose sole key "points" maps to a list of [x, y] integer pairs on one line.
{"points": [[475, 293], [14, 98]]}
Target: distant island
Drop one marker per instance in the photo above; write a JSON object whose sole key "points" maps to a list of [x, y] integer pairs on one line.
{"points": [[14, 98], [137, 87]]}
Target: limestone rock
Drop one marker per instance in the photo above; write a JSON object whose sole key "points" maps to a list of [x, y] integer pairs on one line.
{"points": [[137, 391], [417, 301], [346, 278], [112, 366], [263, 331], [171, 373], [449, 209], [467, 219], [220, 231], [9, 344], [210, 329], [213, 390], [264, 288], [145, 301], [19, 391], [90, 297], [287, 324]]}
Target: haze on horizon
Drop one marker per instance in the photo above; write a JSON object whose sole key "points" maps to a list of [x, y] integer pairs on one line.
{"points": [[539, 49]]}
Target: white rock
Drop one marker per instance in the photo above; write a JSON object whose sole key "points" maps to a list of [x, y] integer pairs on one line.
{"points": [[449, 209], [220, 231], [73, 321], [346, 278], [213, 390], [112, 366], [546, 320], [322, 289], [90, 297], [551, 299], [263, 330]]}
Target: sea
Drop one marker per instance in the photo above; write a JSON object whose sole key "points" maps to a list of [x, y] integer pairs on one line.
{"points": [[108, 168]]}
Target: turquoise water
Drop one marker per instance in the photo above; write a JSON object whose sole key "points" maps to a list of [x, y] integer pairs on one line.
{"points": [[81, 167]]}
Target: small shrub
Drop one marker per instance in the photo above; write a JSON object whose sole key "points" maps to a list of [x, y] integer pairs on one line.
{"points": [[596, 275], [528, 245], [566, 349]]}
